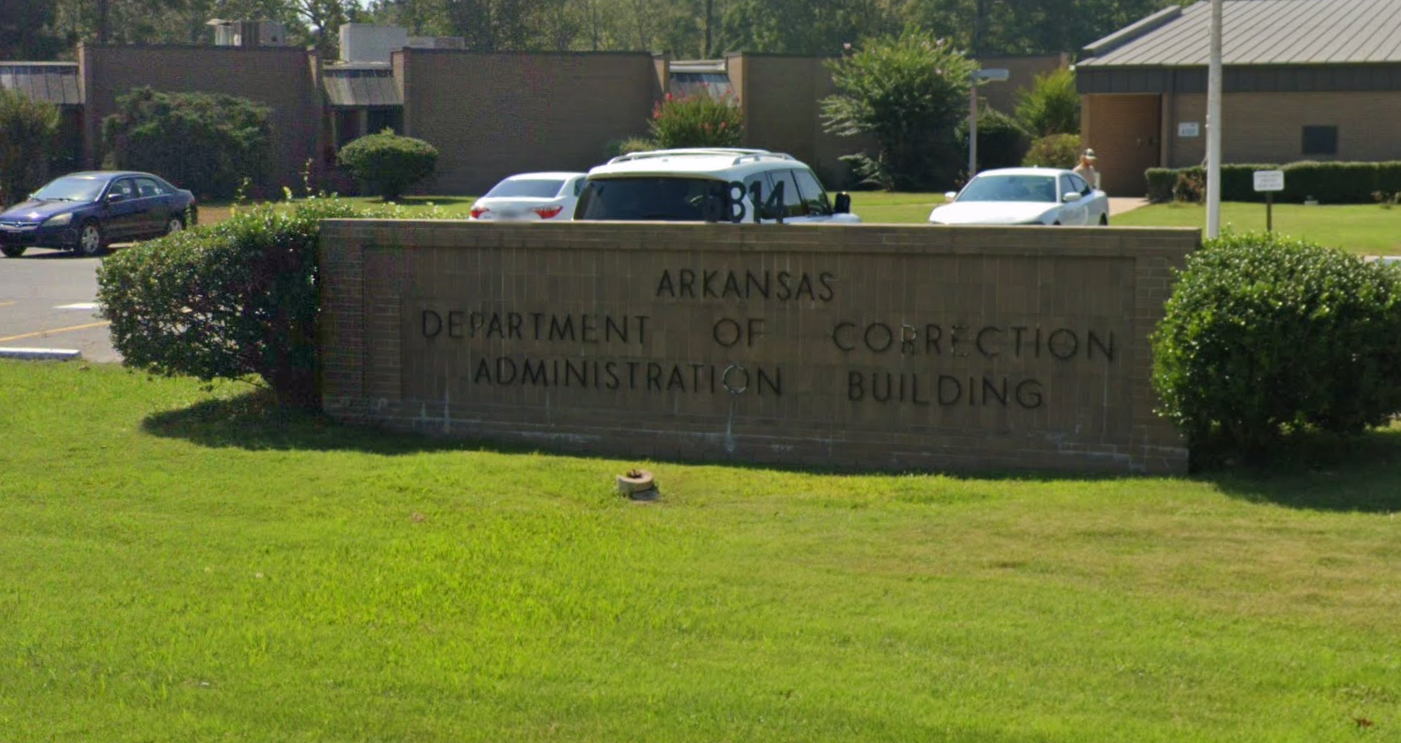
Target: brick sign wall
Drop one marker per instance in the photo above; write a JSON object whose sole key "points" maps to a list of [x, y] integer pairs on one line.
{"points": [[885, 347]]}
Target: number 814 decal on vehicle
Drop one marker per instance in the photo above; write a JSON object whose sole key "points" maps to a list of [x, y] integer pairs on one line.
{"points": [[734, 209]]}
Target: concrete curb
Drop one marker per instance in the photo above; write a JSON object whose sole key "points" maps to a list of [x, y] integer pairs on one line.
{"points": [[41, 354]]}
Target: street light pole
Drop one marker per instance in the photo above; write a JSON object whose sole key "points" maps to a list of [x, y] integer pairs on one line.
{"points": [[992, 75], [973, 128]]}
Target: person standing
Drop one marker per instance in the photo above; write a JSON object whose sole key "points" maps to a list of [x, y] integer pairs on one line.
{"points": [[1086, 168]]}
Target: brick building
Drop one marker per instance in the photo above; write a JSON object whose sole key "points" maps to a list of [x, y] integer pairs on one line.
{"points": [[1303, 80], [489, 114]]}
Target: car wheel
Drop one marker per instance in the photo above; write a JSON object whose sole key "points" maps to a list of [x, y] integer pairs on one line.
{"points": [[90, 239], [176, 224], [1104, 220], [12, 251], [1055, 224]]}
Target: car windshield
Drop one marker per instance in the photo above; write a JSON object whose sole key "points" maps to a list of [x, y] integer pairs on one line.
{"points": [[526, 188], [1010, 188], [657, 198], [72, 188]]}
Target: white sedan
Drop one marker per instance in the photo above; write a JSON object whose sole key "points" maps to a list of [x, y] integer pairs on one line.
{"points": [[530, 197], [1025, 196]]}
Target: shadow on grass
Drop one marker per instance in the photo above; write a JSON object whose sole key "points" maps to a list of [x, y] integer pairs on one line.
{"points": [[1322, 473], [253, 421], [1315, 473]]}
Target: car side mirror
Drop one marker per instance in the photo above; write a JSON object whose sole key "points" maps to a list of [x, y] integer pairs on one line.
{"points": [[115, 196], [1071, 197], [843, 204], [950, 195]]}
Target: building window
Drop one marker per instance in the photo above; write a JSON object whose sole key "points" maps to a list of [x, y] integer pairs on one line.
{"points": [[1320, 140]]}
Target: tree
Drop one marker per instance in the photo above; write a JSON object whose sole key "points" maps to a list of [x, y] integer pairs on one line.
{"points": [[988, 27], [909, 94], [826, 25], [1051, 105], [205, 142], [27, 130], [27, 30]]}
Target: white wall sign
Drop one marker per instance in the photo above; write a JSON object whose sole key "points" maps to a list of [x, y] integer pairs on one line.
{"points": [[1188, 129], [1269, 180]]}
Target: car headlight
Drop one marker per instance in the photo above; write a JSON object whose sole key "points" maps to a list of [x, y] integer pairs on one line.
{"points": [[59, 220]]}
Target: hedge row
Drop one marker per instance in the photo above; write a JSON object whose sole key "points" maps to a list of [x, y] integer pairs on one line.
{"points": [[1329, 183]]}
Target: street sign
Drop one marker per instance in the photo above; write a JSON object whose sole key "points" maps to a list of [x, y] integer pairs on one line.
{"points": [[1269, 180]]}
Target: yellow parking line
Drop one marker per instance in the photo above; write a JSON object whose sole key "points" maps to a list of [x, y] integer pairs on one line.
{"points": [[7, 339], [8, 304]]}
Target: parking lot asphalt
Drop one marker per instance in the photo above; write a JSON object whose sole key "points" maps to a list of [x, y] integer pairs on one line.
{"points": [[48, 300]]}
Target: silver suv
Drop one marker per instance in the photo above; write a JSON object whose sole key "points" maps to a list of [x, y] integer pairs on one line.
{"points": [[709, 185]]}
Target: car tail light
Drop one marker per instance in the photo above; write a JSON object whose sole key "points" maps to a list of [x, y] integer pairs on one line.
{"points": [[478, 211], [548, 212]]}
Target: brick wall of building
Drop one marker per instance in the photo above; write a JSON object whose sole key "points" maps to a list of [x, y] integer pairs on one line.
{"points": [[278, 77], [494, 115], [1023, 71], [1268, 127], [881, 347]]}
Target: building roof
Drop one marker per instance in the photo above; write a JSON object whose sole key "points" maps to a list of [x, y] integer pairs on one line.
{"points": [[352, 85], [1259, 32], [52, 82]]}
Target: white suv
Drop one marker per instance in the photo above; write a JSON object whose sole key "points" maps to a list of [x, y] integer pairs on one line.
{"points": [[709, 185]]}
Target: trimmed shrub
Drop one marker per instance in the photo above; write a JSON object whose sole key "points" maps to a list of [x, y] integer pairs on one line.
{"points": [[1331, 183], [1054, 151], [1160, 184], [388, 163], [1001, 139], [628, 146], [1266, 335], [1051, 105], [27, 130], [698, 120], [1328, 182], [225, 302], [208, 143]]}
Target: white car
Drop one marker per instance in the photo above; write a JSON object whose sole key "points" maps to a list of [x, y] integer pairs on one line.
{"points": [[530, 197], [711, 184], [1025, 196]]}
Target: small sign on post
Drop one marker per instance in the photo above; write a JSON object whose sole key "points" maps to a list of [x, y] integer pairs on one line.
{"points": [[1269, 181]]}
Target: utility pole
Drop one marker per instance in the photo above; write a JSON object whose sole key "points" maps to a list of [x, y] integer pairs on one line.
{"points": [[104, 22], [1213, 127], [709, 8]]}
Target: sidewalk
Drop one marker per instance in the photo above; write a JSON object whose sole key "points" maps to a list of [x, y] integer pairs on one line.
{"points": [[1121, 204]]}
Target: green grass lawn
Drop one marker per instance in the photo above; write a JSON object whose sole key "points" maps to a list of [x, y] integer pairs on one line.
{"points": [[182, 565], [1363, 229]]}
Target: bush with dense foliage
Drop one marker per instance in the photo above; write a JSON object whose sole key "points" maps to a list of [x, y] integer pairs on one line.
{"points": [[1328, 182], [388, 163], [1054, 151], [628, 146], [1266, 335], [908, 94], [27, 130], [697, 120], [1051, 105], [205, 142], [1001, 139], [227, 301]]}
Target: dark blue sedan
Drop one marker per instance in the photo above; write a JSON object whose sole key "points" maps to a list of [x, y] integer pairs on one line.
{"points": [[85, 212]]}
